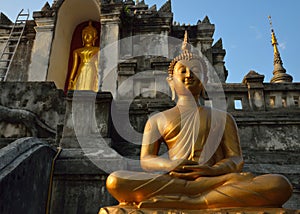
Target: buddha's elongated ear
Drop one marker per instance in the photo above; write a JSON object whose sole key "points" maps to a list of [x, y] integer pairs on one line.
{"points": [[171, 84], [202, 91]]}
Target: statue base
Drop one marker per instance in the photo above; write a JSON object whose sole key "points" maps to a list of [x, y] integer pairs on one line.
{"points": [[240, 210]]}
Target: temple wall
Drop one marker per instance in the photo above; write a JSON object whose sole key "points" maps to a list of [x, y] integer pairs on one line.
{"points": [[19, 68], [47, 54], [4, 32]]}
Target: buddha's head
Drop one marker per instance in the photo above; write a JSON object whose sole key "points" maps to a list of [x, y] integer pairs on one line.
{"points": [[89, 35], [187, 73]]}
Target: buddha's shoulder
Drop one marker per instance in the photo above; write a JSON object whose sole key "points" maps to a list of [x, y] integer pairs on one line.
{"points": [[163, 114], [162, 119], [173, 113]]}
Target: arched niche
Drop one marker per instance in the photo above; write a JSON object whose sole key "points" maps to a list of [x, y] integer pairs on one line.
{"points": [[70, 14]]}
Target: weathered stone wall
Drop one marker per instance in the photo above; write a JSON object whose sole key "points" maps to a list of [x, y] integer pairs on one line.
{"points": [[25, 167], [30, 109], [262, 127]]}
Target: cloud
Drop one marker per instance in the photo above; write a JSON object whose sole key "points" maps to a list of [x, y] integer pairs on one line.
{"points": [[258, 34], [282, 45]]}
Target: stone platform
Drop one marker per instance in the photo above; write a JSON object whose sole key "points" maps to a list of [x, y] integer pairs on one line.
{"points": [[242, 210]]}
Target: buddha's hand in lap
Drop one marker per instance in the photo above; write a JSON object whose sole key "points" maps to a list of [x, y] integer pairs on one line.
{"points": [[181, 164], [192, 171]]}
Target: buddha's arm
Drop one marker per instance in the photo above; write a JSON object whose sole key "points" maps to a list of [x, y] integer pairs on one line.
{"points": [[73, 70], [150, 161], [96, 59], [233, 161]]}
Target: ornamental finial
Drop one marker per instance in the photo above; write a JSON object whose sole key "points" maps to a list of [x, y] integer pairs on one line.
{"points": [[279, 72]]}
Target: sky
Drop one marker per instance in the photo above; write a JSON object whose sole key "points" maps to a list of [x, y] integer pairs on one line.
{"points": [[243, 26]]}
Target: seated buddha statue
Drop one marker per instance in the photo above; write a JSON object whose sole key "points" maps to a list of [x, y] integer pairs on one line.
{"points": [[203, 167], [84, 73]]}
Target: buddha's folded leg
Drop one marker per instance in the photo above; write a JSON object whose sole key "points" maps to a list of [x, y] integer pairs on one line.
{"points": [[265, 190], [135, 187], [195, 196], [241, 190]]}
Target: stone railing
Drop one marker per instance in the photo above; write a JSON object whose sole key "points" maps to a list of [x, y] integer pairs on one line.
{"points": [[25, 167], [266, 97]]}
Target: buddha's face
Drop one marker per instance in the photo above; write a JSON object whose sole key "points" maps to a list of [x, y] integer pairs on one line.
{"points": [[187, 77], [88, 36]]}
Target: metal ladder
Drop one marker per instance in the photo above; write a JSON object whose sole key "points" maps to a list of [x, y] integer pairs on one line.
{"points": [[12, 43]]}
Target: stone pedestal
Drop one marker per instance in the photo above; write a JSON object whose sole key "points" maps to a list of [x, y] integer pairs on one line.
{"points": [[86, 136], [86, 158], [239, 210]]}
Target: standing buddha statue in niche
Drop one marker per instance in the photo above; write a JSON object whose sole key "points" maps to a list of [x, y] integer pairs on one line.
{"points": [[84, 72], [203, 168]]}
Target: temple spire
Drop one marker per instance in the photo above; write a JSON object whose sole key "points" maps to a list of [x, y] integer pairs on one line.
{"points": [[279, 73]]}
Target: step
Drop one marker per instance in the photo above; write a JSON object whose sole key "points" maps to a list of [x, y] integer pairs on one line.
{"points": [[8, 53], [16, 33], [13, 39], [18, 26]]}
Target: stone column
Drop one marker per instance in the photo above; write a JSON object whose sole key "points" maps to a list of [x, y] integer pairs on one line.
{"points": [[42, 46], [109, 55], [160, 66], [254, 82], [126, 69]]}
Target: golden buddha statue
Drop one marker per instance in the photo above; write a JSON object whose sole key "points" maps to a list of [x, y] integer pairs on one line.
{"points": [[84, 73], [203, 168]]}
